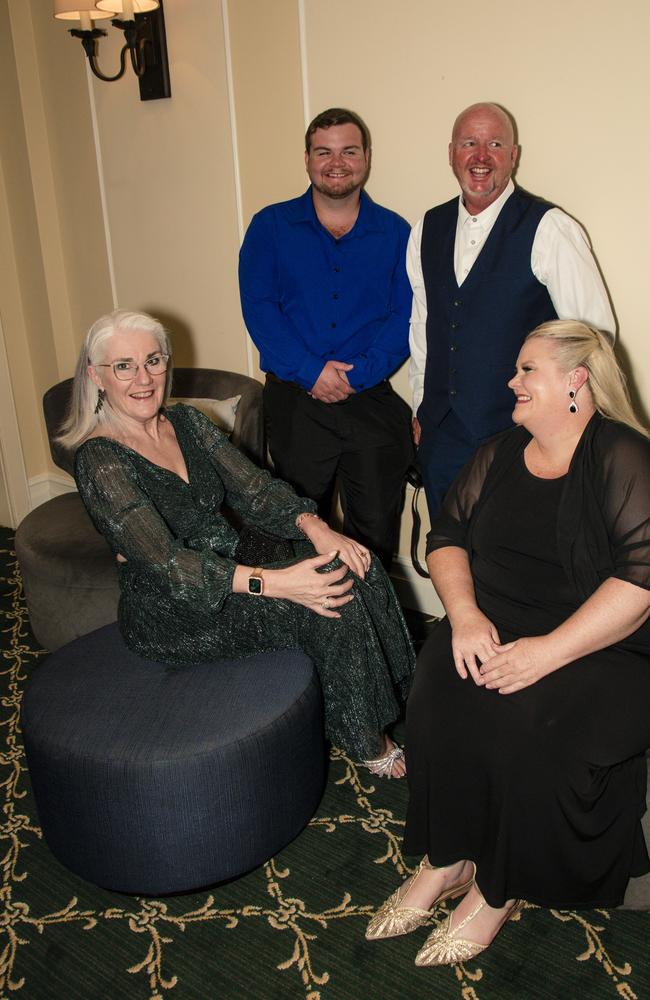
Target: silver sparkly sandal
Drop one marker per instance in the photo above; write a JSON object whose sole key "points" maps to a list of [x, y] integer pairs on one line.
{"points": [[383, 766]]}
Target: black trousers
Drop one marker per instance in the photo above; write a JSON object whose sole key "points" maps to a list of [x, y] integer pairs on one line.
{"points": [[363, 443]]}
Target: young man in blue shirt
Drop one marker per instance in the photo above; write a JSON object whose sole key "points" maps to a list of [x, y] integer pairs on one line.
{"points": [[326, 299]]}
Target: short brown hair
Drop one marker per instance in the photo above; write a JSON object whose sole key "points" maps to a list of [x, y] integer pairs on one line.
{"points": [[338, 116]]}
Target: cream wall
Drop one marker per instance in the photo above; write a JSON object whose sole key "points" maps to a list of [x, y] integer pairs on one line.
{"points": [[171, 191], [182, 177], [53, 278], [265, 47], [24, 316]]}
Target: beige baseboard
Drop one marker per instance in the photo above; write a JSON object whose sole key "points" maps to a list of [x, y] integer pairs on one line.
{"points": [[48, 485]]}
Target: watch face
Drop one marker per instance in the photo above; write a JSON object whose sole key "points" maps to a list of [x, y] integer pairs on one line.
{"points": [[254, 585]]}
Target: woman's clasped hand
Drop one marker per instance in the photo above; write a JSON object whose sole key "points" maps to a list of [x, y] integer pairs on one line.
{"points": [[324, 539], [518, 664], [507, 668], [309, 584], [474, 640]]}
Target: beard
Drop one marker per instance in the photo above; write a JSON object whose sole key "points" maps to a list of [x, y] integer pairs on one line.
{"points": [[343, 189]]}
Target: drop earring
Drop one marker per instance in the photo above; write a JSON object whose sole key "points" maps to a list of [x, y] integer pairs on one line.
{"points": [[573, 406], [101, 393]]}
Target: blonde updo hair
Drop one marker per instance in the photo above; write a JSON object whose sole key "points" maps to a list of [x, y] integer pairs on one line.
{"points": [[575, 345], [82, 419]]}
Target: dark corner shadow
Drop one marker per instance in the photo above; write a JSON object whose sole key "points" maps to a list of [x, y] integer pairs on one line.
{"points": [[180, 334]]}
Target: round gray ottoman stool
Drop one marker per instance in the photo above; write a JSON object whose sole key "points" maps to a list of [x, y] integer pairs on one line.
{"points": [[152, 779]]}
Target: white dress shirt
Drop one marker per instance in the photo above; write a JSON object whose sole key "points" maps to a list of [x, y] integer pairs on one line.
{"points": [[561, 259]]}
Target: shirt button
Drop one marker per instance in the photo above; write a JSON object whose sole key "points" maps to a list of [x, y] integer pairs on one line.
{"points": [[452, 371], [457, 302], [473, 242], [336, 270], [453, 347], [335, 296], [454, 326], [474, 219], [452, 392], [333, 326], [331, 353]]}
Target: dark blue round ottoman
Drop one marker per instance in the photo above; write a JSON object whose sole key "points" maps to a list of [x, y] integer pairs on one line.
{"points": [[152, 779]]}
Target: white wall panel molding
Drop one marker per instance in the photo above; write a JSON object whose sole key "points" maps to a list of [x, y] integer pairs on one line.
{"points": [[102, 185], [304, 64], [250, 363]]}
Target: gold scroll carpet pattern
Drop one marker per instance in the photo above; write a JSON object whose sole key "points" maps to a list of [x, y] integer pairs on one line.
{"points": [[291, 929]]}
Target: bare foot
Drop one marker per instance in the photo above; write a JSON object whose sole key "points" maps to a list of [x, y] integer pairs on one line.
{"points": [[487, 923], [431, 883]]}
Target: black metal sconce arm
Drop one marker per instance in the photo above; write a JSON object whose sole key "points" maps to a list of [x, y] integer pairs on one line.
{"points": [[144, 40], [133, 44], [88, 39]]}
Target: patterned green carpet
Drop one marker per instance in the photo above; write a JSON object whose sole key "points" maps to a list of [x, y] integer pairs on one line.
{"points": [[292, 929]]}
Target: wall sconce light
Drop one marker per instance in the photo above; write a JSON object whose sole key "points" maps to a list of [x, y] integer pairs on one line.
{"points": [[143, 24]]}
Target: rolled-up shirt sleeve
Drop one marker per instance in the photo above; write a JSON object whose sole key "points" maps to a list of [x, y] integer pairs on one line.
{"points": [[562, 260], [418, 323]]}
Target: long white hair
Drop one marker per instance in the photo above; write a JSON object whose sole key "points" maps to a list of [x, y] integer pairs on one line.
{"points": [[83, 416]]}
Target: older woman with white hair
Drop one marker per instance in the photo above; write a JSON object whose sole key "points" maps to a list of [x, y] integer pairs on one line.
{"points": [[155, 480], [528, 716]]}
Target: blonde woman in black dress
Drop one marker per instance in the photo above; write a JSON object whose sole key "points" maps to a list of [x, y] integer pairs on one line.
{"points": [[528, 717]]}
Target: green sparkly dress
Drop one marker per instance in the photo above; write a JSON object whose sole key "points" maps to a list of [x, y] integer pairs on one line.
{"points": [[181, 551]]}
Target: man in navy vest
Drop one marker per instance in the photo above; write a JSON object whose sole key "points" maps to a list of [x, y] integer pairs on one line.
{"points": [[326, 299], [485, 269]]}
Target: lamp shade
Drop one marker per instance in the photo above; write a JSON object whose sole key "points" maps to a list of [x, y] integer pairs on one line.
{"points": [[127, 7], [72, 10]]}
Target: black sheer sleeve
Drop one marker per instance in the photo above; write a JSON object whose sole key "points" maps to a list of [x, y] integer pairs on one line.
{"points": [[451, 525], [626, 503]]}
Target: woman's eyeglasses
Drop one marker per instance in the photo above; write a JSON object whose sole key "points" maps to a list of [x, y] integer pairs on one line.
{"points": [[126, 371]]}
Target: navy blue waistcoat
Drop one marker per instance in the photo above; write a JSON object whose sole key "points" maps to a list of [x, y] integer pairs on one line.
{"points": [[474, 331]]}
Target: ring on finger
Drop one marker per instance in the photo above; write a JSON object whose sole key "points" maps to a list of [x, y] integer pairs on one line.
{"points": [[325, 603]]}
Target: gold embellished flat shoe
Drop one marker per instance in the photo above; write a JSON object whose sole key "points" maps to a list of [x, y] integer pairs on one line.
{"points": [[392, 919], [444, 947]]}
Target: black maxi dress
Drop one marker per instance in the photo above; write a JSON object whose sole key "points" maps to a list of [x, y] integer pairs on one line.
{"points": [[181, 550], [543, 789]]}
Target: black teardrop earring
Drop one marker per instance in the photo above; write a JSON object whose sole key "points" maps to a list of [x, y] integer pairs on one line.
{"points": [[101, 394], [573, 406]]}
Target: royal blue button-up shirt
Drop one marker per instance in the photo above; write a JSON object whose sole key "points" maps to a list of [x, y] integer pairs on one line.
{"points": [[308, 298]]}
